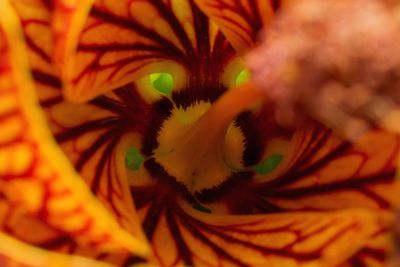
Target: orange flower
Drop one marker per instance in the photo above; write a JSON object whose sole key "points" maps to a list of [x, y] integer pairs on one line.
{"points": [[130, 135]]}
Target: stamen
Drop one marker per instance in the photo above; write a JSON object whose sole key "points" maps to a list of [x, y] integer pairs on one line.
{"points": [[269, 164], [201, 208], [162, 82], [133, 159], [198, 161], [242, 77]]}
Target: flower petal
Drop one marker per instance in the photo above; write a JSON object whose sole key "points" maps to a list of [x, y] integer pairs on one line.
{"points": [[92, 135], [142, 37], [35, 176], [37, 23], [328, 173], [241, 21], [320, 171], [16, 253], [376, 251], [286, 239]]}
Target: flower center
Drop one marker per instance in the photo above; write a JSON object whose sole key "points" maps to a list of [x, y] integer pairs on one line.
{"points": [[199, 145]]}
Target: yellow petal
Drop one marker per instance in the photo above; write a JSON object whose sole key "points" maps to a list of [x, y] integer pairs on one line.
{"points": [[16, 253], [36, 18], [241, 21], [35, 175], [102, 45], [286, 239], [325, 172]]}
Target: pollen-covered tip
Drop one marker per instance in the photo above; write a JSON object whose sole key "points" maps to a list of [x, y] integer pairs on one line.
{"points": [[335, 60]]}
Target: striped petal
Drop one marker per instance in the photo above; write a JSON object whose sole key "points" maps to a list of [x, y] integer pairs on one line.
{"points": [[376, 251], [318, 171], [287, 239], [328, 173], [11, 251], [92, 137], [32, 231], [141, 37], [105, 46], [35, 176], [241, 21], [48, 88]]}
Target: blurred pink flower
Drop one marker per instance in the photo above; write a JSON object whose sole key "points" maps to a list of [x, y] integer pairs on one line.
{"points": [[337, 60]]}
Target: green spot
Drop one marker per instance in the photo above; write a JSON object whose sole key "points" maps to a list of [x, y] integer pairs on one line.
{"points": [[133, 159], [162, 82], [269, 164], [201, 208], [242, 77]]}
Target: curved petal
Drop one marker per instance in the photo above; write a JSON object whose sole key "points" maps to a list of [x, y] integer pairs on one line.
{"points": [[142, 36], [29, 229], [48, 86], [35, 176], [376, 251], [36, 20], [91, 136], [241, 21], [16, 253], [320, 171], [286, 239], [329, 173]]}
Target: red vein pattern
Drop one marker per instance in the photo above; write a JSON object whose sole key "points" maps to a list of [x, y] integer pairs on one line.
{"points": [[101, 64], [41, 188], [286, 239], [324, 193], [241, 20]]}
